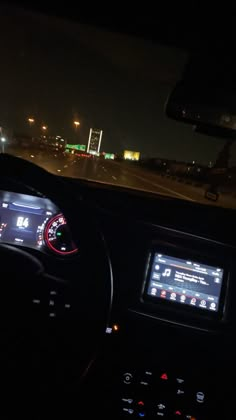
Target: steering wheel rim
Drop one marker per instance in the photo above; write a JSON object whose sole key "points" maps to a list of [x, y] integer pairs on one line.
{"points": [[94, 315]]}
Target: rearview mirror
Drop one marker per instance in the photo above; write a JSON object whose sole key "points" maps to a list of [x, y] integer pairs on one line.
{"points": [[204, 106]]}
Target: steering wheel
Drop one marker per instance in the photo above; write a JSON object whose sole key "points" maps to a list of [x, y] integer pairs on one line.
{"points": [[52, 351]]}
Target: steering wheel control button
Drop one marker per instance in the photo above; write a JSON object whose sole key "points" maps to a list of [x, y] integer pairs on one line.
{"points": [[127, 378], [53, 292], [200, 397], [180, 381]]}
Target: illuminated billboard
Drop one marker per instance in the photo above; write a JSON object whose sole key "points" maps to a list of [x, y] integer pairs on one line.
{"points": [[94, 141], [131, 155]]}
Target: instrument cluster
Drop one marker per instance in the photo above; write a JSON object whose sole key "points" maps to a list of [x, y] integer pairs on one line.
{"points": [[34, 222]]}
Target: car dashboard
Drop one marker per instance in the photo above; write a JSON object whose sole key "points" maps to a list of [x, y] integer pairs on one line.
{"points": [[169, 344]]}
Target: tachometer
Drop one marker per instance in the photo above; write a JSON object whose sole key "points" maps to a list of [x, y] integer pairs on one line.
{"points": [[57, 236]]}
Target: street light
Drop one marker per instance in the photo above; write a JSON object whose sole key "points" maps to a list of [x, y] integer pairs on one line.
{"points": [[31, 120], [3, 140], [44, 127], [76, 123]]}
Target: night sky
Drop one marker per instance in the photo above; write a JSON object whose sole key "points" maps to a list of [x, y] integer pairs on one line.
{"points": [[60, 71]]}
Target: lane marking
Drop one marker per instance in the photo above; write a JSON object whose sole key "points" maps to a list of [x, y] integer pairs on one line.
{"points": [[155, 184], [163, 188], [129, 187]]}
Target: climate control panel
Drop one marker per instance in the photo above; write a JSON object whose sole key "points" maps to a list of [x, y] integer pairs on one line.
{"points": [[164, 394]]}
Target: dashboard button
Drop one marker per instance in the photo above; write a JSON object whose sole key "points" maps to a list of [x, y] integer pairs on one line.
{"points": [[200, 397], [180, 392], [127, 400], [180, 381], [148, 372], [127, 378], [36, 301], [161, 406], [128, 411], [160, 409], [178, 414], [144, 383]]}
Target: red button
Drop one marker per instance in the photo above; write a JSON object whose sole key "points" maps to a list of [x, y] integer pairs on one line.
{"points": [[164, 376], [141, 403], [178, 413]]}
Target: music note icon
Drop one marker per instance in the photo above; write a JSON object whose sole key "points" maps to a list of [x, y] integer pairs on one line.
{"points": [[167, 272]]}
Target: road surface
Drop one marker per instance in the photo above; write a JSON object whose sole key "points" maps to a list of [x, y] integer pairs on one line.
{"points": [[123, 174]]}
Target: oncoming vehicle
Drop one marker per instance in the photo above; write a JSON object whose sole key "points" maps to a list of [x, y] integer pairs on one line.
{"points": [[117, 219]]}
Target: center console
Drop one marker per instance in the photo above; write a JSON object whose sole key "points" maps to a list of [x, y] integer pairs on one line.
{"points": [[172, 344]]}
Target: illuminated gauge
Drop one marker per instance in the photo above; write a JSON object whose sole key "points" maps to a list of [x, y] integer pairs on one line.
{"points": [[57, 236]]}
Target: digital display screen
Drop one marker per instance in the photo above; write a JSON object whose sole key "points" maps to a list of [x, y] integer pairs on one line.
{"points": [[23, 218], [185, 282]]}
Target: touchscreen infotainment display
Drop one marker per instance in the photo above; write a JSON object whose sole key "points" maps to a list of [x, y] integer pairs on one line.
{"points": [[185, 282]]}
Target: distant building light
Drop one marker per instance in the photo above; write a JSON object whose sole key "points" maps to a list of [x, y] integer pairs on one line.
{"points": [[130, 155], [3, 139]]}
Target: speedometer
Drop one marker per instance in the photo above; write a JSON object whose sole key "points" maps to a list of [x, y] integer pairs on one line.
{"points": [[57, 236]]}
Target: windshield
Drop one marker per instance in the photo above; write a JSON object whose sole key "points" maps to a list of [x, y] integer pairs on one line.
{"points": [[87, 103]]}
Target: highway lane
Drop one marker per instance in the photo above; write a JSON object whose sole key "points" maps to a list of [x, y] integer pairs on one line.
{"points": [[117, 174], [132, 177], [126, 175], [122, 174]]}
